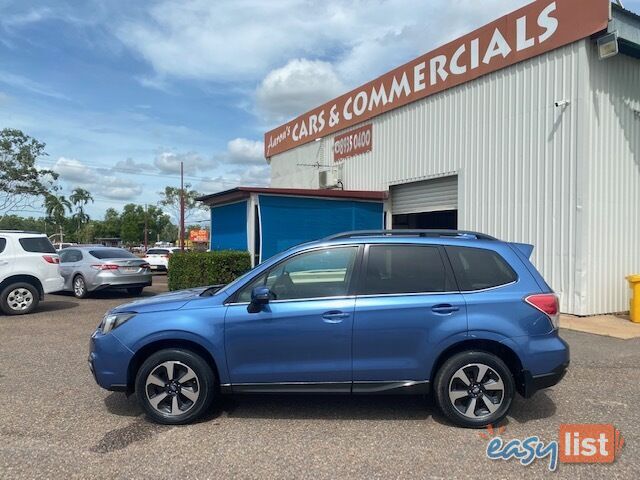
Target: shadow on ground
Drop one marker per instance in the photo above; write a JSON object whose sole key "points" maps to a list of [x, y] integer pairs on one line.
{"points": [[336, 407]]}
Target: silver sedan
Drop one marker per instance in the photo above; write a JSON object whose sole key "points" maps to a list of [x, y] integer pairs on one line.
{"points": [[88, 269]]}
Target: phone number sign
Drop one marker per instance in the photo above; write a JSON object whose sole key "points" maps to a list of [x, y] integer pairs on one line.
{"points": [[352, 143]]}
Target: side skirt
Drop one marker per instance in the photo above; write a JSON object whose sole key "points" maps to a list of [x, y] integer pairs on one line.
{"points": [[406, 387]]}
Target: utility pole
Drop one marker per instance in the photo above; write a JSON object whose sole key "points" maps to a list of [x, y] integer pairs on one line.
{"points": [[182, 206], [146, 228]]}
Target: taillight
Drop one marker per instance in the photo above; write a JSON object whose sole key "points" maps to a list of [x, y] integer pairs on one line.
{"points": [[548, 304], [105, 266], [166, 256], [51, 259]]}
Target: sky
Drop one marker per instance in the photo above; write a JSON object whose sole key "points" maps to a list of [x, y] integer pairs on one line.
{"points": [[121, 92]]}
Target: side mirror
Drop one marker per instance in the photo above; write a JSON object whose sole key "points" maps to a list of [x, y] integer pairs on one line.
{"points": [[260, 296]]}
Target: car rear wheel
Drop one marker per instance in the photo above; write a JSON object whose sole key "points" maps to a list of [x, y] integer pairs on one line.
{"points": [[474, 389], [19, 299], [79, 287], [175, 386], [135, 291]]}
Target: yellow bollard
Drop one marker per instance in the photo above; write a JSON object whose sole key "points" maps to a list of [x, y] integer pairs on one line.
{"points": [[634, 304]]}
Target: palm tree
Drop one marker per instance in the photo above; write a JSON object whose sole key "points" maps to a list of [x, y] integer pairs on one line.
{"points": [[56, 208], [80, 198]]}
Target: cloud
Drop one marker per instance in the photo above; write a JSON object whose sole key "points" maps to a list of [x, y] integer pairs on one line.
{"points": [[242, 151], [129, 165], [169, 162], [24, 83], [253, 176], [297, 87], [231, 41], [72, 170], [96, 182]]}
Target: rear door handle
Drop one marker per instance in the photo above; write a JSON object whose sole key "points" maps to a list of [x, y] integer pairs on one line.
{"points": [[444, 308], [334, 316]]}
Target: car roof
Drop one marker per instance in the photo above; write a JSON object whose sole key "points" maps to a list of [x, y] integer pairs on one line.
{"points": [[432, 237]]}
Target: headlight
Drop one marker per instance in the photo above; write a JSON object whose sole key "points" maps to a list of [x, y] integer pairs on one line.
{"points": [[114, 320]]}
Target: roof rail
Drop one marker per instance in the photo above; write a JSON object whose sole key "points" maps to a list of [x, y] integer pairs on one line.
{"points": [[416, 233]]}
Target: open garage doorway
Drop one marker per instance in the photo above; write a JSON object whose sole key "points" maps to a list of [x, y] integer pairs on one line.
{"points": [[428, 204]]}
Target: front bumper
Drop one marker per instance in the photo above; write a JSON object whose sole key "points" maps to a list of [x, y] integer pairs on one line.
{"points": [[108, 361]]}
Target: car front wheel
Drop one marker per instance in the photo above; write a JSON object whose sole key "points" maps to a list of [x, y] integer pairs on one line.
{"points": [[175, 386], [19, 299], [474, 389]]}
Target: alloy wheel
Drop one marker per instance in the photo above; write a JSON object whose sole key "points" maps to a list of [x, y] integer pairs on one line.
{"points": [[20, 299], [78, 286], [172, 388], [476, 390]]}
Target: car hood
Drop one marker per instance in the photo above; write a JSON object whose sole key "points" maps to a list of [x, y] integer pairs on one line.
{"points": [[162, 302]]}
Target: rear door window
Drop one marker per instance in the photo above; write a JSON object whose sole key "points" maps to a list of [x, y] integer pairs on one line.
{"points": [[70, 256], [397, 269], [37, 245], [479, 268]]}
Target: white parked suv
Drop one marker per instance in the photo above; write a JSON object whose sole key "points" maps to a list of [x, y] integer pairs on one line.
{"points": [[29, 268], [158, 257]]}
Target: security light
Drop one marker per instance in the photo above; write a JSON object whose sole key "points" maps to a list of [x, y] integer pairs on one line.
{"points": [[608, 45]]}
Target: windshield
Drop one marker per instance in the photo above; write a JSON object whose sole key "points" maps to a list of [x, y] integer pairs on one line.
{"points": [[104, 253]]}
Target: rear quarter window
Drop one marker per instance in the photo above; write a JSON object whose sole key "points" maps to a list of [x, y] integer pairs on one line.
{"points": [[37, 245], [479, 268], [3, 244]]}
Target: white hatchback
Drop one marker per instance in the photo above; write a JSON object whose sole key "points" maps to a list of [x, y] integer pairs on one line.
{"points": [[29, 268], [158, 258]]}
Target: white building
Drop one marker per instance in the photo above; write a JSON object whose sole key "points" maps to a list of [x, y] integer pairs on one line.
{"points": [[530, 134]]}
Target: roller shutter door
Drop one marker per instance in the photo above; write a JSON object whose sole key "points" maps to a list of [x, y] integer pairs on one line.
{"points": [[425, 196]]}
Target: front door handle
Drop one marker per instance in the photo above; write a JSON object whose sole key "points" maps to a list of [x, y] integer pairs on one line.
{"points": [[334, 316], [444, 308]]}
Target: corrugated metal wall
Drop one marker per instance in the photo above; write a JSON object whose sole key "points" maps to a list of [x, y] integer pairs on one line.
{"points": [[518, 158], [612, 200]]}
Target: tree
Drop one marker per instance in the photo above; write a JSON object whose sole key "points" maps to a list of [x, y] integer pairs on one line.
{"points": [[56, 208], [170, 199], [21, 181], [80, 198]]}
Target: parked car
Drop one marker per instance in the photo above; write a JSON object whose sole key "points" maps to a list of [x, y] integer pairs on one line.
{"points": [[90, 268], [60, 246], [158, 258], [460, 315], [28, 269]]}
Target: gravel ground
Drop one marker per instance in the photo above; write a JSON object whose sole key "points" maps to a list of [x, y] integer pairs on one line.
{"points": [[55, 422]]}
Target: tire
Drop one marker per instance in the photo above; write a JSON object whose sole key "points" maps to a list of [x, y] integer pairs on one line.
{"points": [[79, 287], [167, 400], [135, 291], [472, 402], [19, 299]]}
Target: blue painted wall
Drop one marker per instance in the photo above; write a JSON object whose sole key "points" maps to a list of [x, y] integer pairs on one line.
{"points": [[288, 221], [229, 227]]}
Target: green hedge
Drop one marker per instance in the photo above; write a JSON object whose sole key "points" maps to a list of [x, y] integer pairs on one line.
{"points": [[198, 269]]}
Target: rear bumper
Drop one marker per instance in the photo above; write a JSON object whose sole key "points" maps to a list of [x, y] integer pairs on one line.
{"points": [[531, 383], [544, 361], [54, 284], [121, 281]]}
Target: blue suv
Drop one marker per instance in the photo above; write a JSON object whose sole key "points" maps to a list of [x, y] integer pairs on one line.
{"points": [[457, 314]]}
